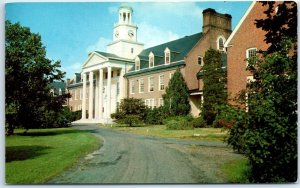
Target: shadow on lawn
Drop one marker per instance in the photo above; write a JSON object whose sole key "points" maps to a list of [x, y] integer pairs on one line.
{"points": [[49, 132], [20, 153]]}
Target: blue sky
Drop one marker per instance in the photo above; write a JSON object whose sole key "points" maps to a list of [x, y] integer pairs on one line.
{"points": [[71, 30]]}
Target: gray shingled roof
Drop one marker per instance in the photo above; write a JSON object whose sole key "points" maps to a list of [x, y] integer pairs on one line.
{"points": [[179, 49]]}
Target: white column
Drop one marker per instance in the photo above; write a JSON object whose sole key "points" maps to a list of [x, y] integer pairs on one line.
{"points": [[91, 96], [97, 98], [101, 93], [83, 102], [108, 91]]}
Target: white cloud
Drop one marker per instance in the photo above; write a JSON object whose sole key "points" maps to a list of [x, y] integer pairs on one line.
{"points": [[152, 35], [100, 45]]}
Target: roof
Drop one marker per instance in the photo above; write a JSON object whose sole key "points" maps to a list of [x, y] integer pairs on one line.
{"points": [[58, 85], [112, 56], [178, 50]]}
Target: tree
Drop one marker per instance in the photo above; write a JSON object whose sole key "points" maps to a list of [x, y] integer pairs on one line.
{"points": [[131, 111], [28, 74], [214, 80], [269, 128], [176, 98]]}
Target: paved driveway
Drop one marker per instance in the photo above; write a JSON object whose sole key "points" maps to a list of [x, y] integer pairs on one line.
{"points": [[128, 158]]}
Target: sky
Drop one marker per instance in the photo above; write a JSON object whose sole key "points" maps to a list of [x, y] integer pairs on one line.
{"points": [[70, 31]]}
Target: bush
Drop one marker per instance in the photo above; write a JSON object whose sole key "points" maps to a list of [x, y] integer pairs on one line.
{"points": [[198, 122], [179, 123], [155, 116]]}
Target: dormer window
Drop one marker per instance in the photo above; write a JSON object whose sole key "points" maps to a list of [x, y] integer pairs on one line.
{"points": [[151, 60], [220, 43], [137, 64], [167, 56]]}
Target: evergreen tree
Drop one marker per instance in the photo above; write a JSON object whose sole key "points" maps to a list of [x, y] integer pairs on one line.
{"points": [[176, 98], [28, 74], [214, 80]]}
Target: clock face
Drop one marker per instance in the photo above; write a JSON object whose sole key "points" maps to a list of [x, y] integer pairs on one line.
{"points": [[130, 33], [117, 34]]}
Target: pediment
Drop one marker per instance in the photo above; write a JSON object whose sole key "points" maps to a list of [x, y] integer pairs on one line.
{"points": [[94, 59]]}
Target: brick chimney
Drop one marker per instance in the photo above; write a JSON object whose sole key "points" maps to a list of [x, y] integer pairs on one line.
{"points": [[213, 19]]}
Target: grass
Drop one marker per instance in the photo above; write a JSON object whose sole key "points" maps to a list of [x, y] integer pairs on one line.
{"points": [[211, 134], [236, 171], [35, 157]]}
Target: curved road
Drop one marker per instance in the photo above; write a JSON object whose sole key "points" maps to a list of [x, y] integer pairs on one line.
{"points": [[129, 158]]}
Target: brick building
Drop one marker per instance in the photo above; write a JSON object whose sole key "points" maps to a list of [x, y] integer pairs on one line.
{"points": [[242, 44], [128, 70]]}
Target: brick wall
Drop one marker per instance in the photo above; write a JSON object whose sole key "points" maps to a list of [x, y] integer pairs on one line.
{"points": [[247, 36]]}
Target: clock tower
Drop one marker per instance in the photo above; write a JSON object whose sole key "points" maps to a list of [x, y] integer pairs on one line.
{"points": [[125, 36]]}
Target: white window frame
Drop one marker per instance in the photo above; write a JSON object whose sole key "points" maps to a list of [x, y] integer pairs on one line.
{"points": [[161, 82], [218, 44], [151, 60], [149, 83], [201, 63], [247, 54], [141, 85], [132, 87], [167, 55], [137, 64]]}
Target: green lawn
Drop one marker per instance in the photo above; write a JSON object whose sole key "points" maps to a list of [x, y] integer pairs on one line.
{"points": [[236, 171], [43, 153], [211, 134]]}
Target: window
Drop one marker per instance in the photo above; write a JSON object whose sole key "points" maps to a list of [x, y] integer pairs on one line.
{"points": [[118, 73], [141, 85], [250, 54], [161, 102], [161, 82], [167, 56], [118, 88], [150, 103], [76, 95], [80, 94], [105, 75], [200, 60], [151, 60], [151, 84], [137, 65], [132, 50], [220, 43], [131, 86]]}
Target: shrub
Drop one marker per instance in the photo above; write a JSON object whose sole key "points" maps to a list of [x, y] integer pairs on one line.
{"points": [[178, 123], [154, 116], [198, 122]]}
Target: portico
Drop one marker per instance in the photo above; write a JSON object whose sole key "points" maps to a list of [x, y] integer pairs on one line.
{"points": [[103, 86]]}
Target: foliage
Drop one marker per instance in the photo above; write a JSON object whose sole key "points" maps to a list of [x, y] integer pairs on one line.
{"points": [[269, 128], [131, 111], [214, 91], [40, 154], [198, 122], [155, 116], [178, 123], [28, 74], [176, 98]]}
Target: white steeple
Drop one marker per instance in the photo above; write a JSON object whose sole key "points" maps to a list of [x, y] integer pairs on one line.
{"points": [[125, 35]]}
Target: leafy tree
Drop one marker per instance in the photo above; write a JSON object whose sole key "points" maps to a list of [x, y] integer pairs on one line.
{"points": [[176, 98], [131, 111], [214, 80], [28, 74], [268, 130]]}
